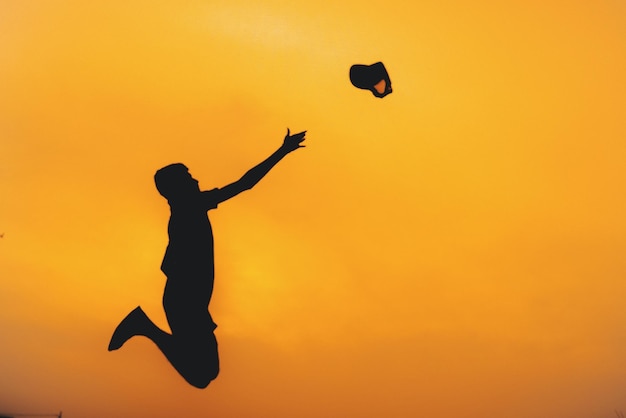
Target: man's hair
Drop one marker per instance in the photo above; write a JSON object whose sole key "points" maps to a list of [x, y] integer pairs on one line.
{"points": [[167, 179]]}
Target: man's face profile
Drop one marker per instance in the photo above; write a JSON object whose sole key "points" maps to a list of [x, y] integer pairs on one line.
{"points": [[174, 182]]}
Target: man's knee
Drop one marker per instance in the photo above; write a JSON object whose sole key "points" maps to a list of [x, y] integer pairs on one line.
{"points": [[201, 379]]}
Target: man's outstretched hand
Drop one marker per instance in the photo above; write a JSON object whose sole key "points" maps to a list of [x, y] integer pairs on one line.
{"points": [[293, 142]]}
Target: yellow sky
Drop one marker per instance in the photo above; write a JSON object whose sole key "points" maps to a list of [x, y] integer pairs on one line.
{"points": [[457, 248]]}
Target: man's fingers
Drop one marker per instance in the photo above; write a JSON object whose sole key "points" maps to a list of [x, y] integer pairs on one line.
{"points": [[298, 134], [297, 138]]}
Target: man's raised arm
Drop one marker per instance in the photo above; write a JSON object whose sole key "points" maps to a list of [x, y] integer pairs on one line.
{"points": [[255, 174]]}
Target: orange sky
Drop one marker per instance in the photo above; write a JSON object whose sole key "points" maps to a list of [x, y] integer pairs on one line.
{"points": [[457, 248]]}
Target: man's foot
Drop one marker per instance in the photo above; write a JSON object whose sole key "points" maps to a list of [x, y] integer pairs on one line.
{"points": [[130, 326]]}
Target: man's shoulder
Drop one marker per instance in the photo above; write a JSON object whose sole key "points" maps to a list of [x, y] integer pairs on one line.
{"points": [[211, 198]]}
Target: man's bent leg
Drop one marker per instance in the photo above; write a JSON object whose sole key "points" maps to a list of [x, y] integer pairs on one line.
{"points": [[193, 354]]}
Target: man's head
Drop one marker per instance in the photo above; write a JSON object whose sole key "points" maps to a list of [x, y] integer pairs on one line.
{"points": [[175, 183]]}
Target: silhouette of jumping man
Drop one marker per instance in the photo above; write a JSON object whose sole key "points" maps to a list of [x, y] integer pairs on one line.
{"points": [[188, 264]]}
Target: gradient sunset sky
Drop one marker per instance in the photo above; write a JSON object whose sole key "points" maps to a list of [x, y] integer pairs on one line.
{"points": [[456, 249]]}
